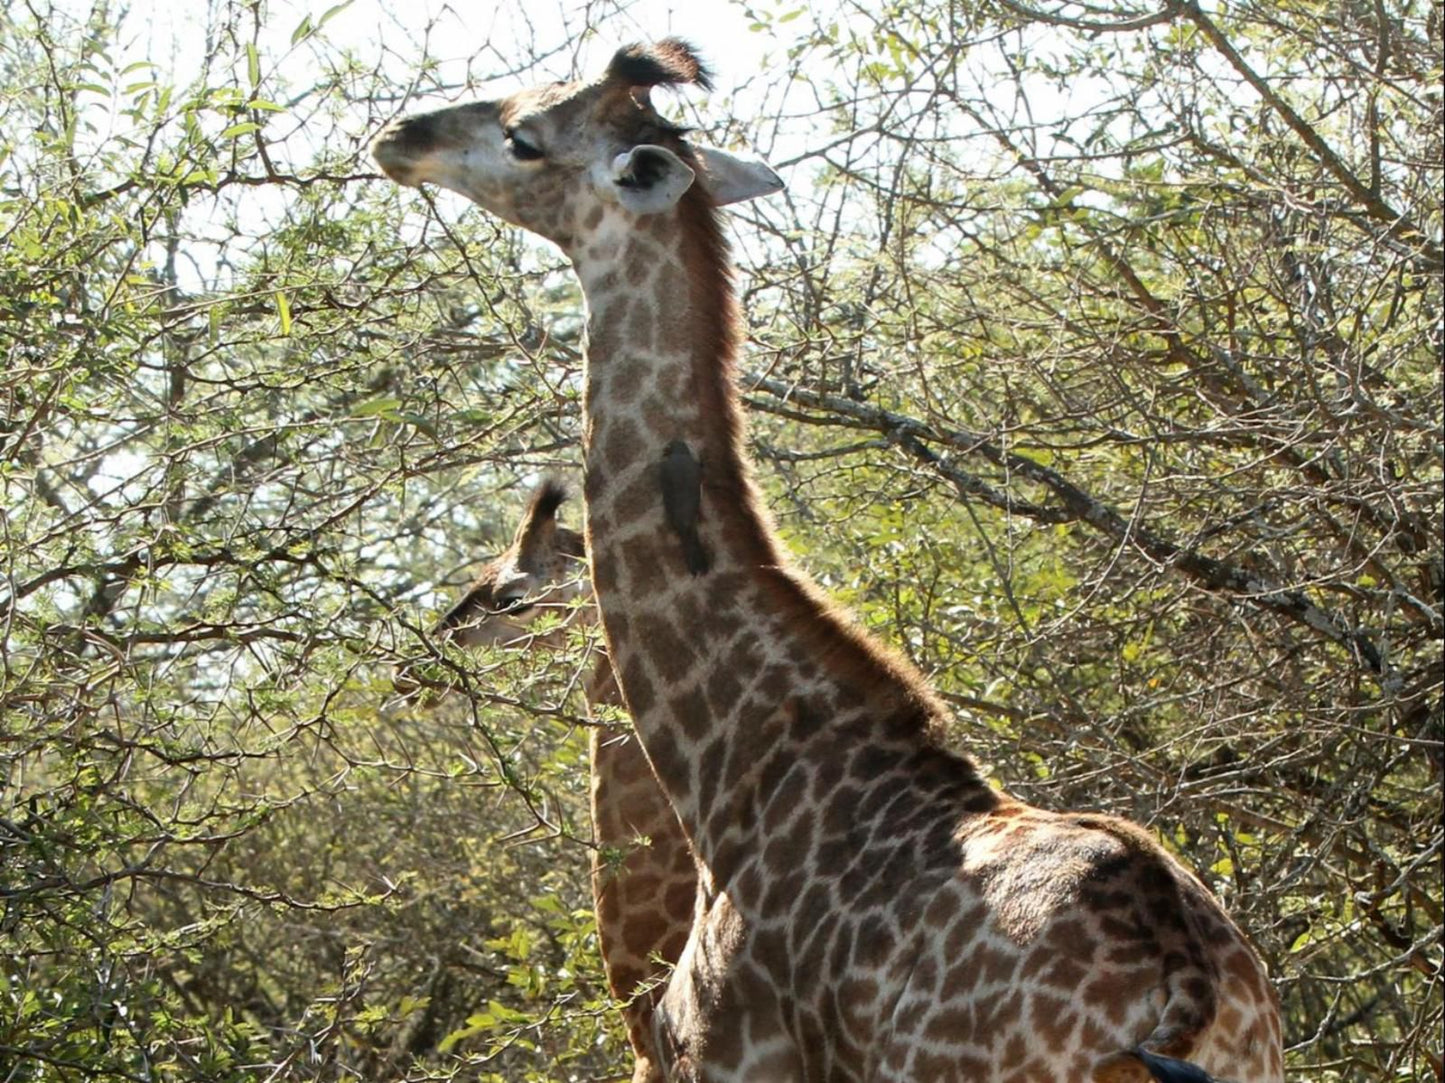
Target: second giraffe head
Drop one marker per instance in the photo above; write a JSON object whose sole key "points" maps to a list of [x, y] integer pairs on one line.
{"points": [[543, 570]]}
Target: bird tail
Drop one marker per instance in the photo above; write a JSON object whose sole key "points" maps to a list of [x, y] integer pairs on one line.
{"points": [[695, 555]]}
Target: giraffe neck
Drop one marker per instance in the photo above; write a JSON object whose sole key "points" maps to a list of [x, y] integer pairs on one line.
{"points": [[742, 682], [601, 687]]}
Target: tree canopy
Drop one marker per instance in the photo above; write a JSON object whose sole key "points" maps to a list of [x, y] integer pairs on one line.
{"points": [[1094, 361]]}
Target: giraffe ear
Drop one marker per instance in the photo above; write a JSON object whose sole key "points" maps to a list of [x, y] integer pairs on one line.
{"points": [[648, 179], [731, 179]]}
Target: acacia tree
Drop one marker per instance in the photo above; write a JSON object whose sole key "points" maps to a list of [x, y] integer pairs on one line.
{"points": [[1095, 362], [244, 422], [1148, 305]]}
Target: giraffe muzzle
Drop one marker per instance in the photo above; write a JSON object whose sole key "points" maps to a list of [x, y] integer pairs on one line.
{"points": [[401, 144], [404, 146]]}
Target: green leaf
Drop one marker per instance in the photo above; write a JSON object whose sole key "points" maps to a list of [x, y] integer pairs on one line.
{"points": [[253, 66], [376, 408], [283, 309], [334, 9], [447, 1043], [422, 424]]}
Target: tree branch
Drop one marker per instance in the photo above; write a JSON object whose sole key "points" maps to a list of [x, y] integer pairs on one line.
{"points": [[1217, 576], [1398, 225]]}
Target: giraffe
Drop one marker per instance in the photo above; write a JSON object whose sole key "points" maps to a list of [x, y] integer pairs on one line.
{"points": [[869, 907], [643, 902]]}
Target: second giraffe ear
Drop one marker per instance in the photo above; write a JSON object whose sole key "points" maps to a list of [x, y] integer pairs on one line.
{"points": [[731, 179], [648, 179]]}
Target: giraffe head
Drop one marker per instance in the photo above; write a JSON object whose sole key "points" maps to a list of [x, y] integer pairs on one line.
{"points": [[543, 569], [553, 159]]}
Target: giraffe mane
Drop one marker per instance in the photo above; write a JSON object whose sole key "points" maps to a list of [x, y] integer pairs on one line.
{"points": [[849, 651]]}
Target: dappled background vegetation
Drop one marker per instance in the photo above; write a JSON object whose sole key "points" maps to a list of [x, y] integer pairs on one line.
{"points": [[1095, 361]]}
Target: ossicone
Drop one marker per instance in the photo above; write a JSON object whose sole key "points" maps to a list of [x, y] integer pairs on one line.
{"points": [[669, 62], [548, 497]]}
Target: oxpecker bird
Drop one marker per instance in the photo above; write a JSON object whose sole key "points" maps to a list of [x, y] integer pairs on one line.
{"points": [[682, 502]]}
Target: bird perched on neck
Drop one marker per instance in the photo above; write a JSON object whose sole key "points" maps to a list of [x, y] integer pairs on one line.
{"points": [[682, 502]]}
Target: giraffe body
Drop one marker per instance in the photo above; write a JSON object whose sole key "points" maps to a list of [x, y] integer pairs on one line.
{"points": [[869, 908], [644, 881]]}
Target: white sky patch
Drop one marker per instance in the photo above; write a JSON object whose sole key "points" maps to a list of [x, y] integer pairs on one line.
{"points": [[468, 44], [424, 53]]}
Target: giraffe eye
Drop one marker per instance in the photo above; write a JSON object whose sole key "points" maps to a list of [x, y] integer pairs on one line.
{"points": [[521, 149], [513, 605]]}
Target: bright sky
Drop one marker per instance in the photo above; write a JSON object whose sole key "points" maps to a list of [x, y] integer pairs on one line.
{"points": [[478, 49], [458, 35], [474, 50]]}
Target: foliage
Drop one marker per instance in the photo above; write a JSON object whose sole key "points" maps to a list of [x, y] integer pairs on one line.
{"points": [[1095, 362]]}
